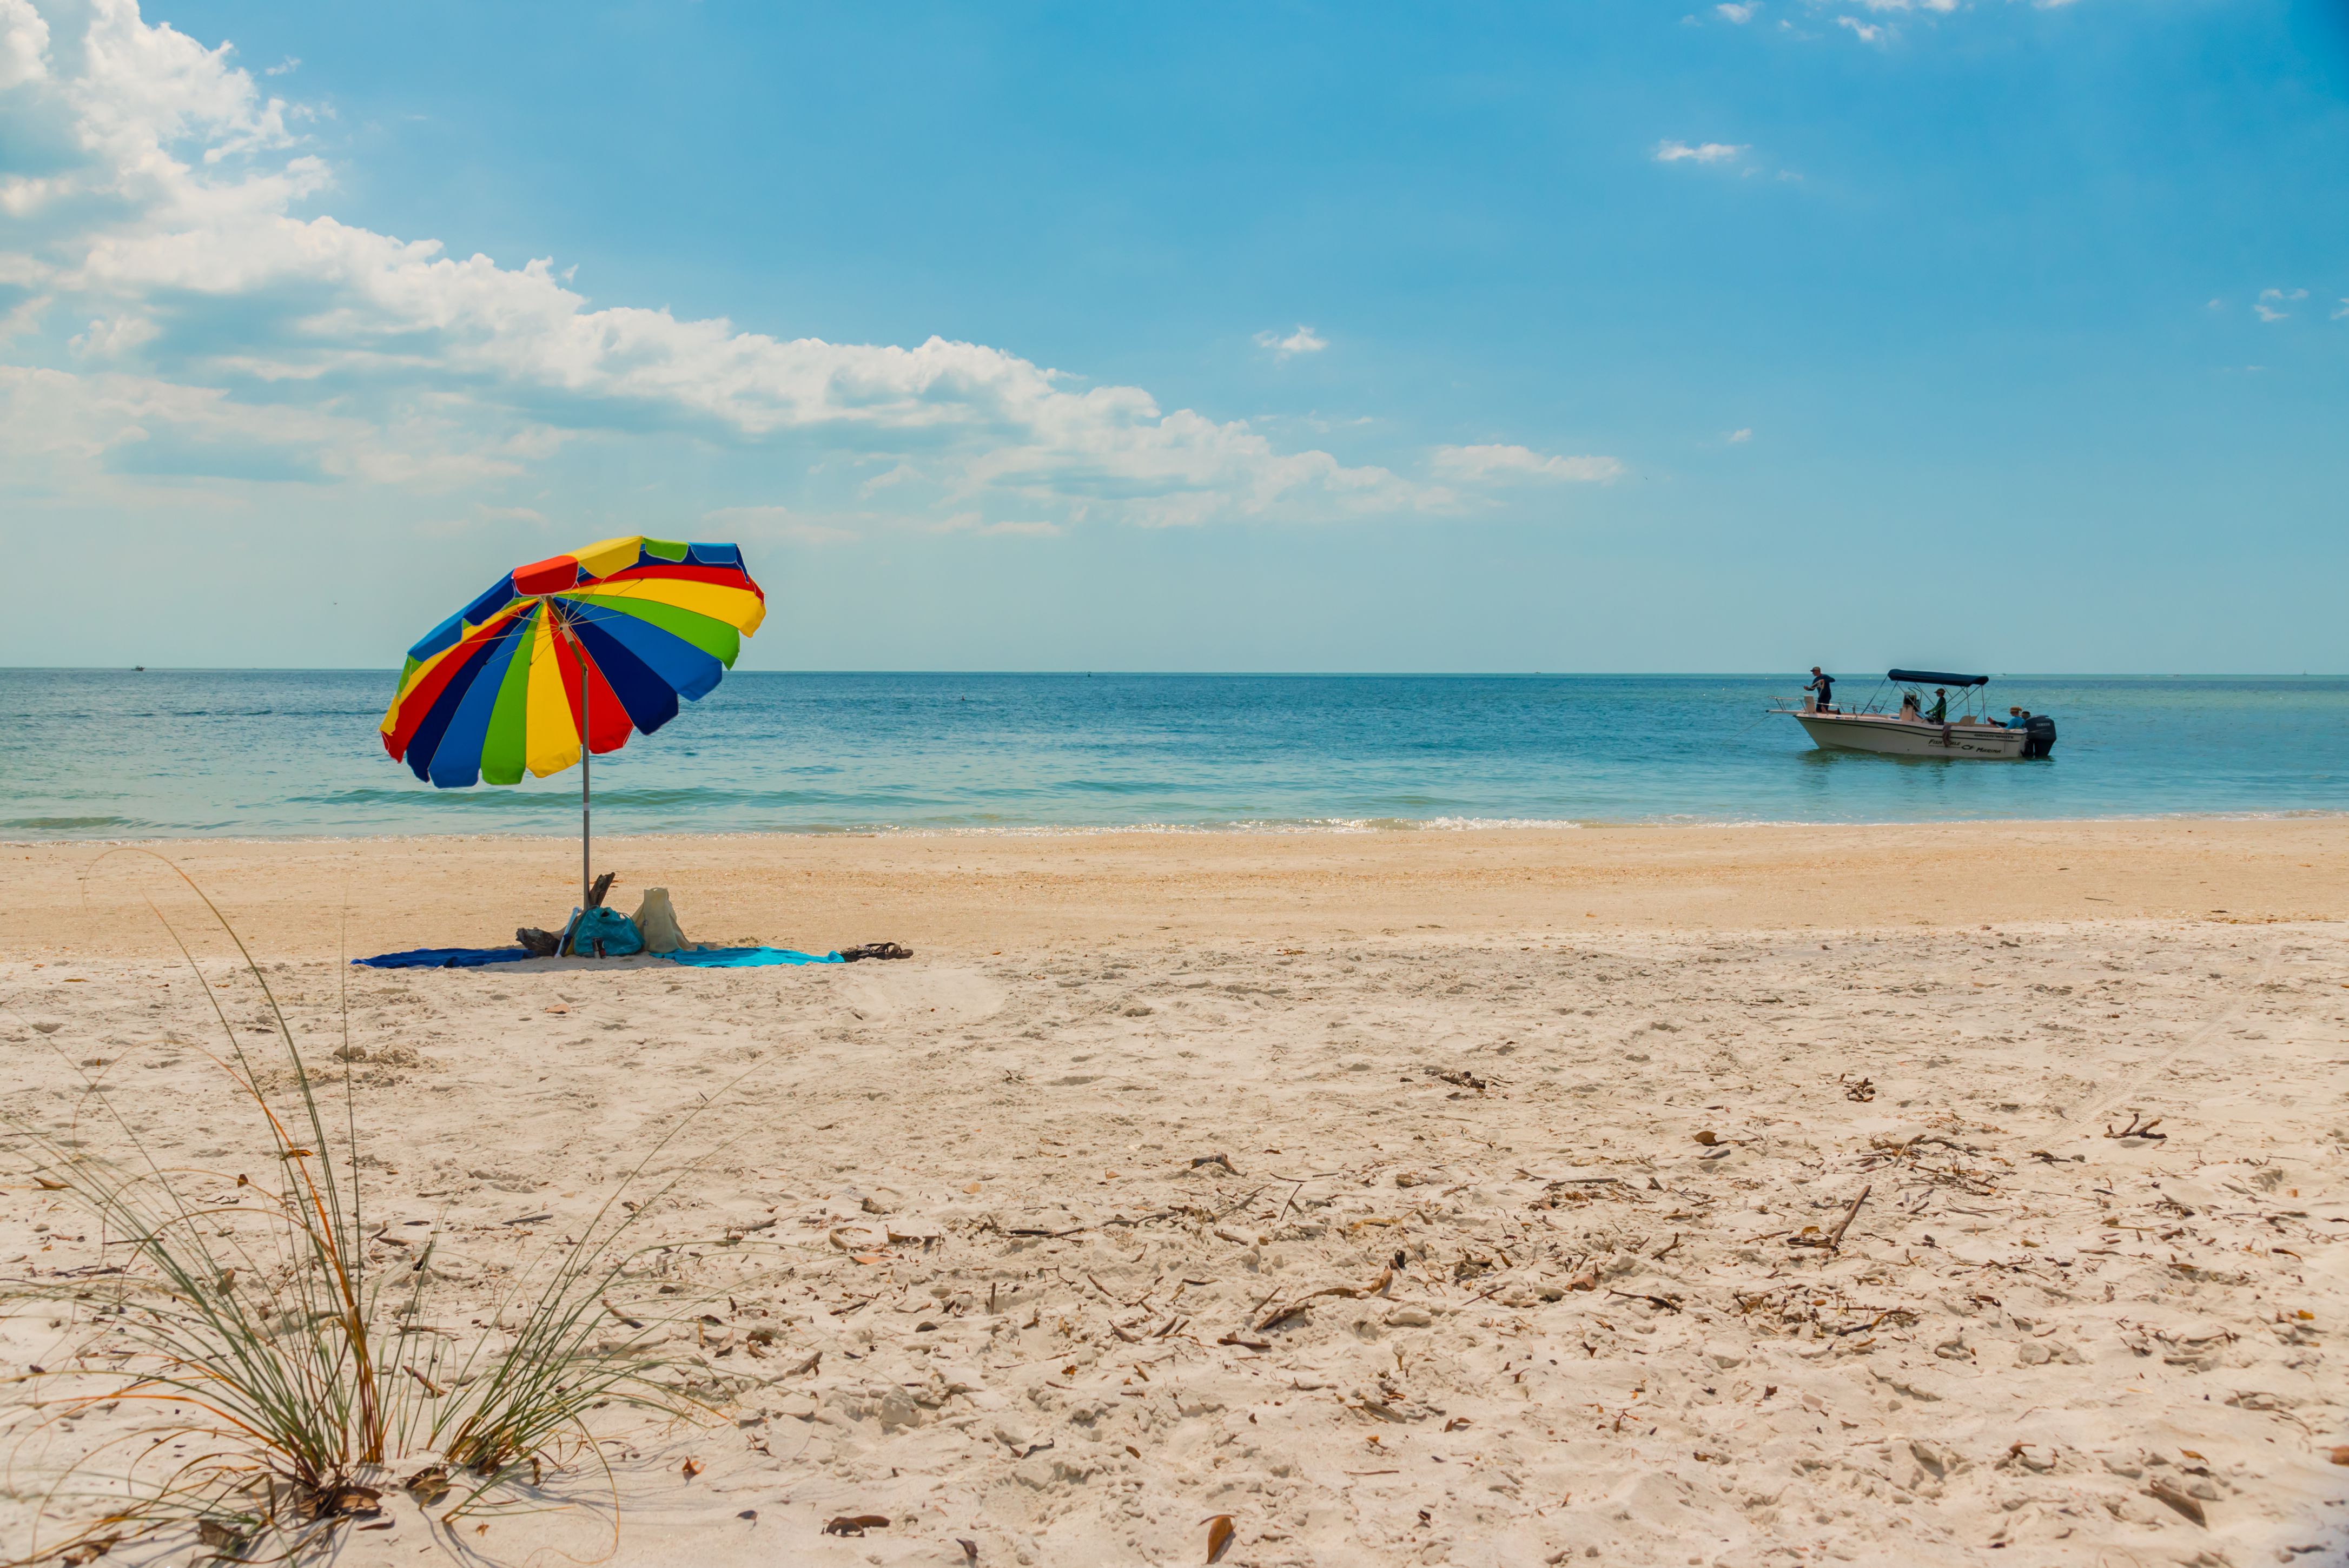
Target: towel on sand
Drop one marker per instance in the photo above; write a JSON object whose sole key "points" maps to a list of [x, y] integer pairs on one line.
{"points": [[699, 957], [745, 957], [444, 957]]}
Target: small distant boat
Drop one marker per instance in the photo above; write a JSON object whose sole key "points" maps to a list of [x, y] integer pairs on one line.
{"points": [[1969, 735]]}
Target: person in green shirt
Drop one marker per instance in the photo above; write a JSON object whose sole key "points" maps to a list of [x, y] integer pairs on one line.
{"points": [[1940, 714]]}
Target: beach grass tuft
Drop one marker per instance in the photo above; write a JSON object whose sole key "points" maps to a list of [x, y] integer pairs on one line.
{"points": [[266, 1369]]}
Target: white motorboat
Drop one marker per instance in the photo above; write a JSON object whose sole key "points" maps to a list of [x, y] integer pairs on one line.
{"points": [[1971, 735]]}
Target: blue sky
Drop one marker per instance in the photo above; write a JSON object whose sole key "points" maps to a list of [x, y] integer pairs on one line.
{"points": [[1611, 337]]}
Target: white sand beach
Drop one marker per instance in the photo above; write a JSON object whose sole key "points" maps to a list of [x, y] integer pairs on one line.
{"points": [[1407, 1198]]}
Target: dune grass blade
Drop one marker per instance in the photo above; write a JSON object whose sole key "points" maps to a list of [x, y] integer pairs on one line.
{"points": [[247, 1320], [561, 1360]]}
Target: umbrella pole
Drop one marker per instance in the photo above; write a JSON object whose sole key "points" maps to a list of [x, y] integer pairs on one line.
{"points": [[586, 751]]}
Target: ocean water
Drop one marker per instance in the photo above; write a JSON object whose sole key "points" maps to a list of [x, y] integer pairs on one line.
{"points": [[173, 754]]}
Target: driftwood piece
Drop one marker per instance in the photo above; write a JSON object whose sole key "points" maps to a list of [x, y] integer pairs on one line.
{"points": [[2178, 1498], [599, 888]]}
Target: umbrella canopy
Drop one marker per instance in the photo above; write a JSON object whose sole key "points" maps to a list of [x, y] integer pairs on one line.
{"points": [[599, 643]]}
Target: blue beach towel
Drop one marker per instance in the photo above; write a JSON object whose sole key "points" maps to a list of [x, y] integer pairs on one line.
{"points": [[697, 957], [444, 957], [745, 957]]}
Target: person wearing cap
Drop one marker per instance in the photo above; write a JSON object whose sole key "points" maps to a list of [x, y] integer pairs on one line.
{"points": [[2018, 718], [1940, 714], [1825, 685]]}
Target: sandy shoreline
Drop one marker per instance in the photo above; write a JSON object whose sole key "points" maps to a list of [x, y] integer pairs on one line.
{"points": [[976, 895], [1591, 1087]]}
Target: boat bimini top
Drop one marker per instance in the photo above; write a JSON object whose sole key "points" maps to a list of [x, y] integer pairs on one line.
{"points": [[1934, 678]]}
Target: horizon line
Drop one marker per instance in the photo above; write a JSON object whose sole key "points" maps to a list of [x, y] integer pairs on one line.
{"points": [[392, 671]]}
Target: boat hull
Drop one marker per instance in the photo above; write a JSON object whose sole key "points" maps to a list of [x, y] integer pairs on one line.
{"points": [[1891, 736]]}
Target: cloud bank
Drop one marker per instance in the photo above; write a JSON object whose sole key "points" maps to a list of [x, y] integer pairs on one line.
{"points": [[173, 307]]}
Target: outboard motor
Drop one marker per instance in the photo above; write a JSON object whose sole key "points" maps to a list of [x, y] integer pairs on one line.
{"points": [[2038, 735]]}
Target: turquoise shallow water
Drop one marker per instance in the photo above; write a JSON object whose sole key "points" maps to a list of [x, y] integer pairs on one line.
{"points": [[169, 754]]}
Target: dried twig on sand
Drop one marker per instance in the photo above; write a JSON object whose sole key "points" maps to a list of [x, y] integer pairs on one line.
{"points": [[1283, 1313], [1660, 1303], [1834, 1238]]}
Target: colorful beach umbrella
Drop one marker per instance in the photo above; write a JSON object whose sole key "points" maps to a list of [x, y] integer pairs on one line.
{"points": [[590, 647]]}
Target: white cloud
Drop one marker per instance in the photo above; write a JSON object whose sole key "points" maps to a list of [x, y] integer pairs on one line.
{"points": [[1703, 152], [2342, 313], [285, 67], [1738, 438], [2271, 302], [1304, 340], [68, 431], [24, 44], [183, 211], [1740, 13], [1322, 424], [109, 338], [1501, 464], [1881, 31], [1715, 152]]}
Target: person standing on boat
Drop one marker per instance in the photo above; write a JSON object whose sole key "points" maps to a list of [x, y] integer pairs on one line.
{"points": [[1940, 714], [1825, 685]]}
